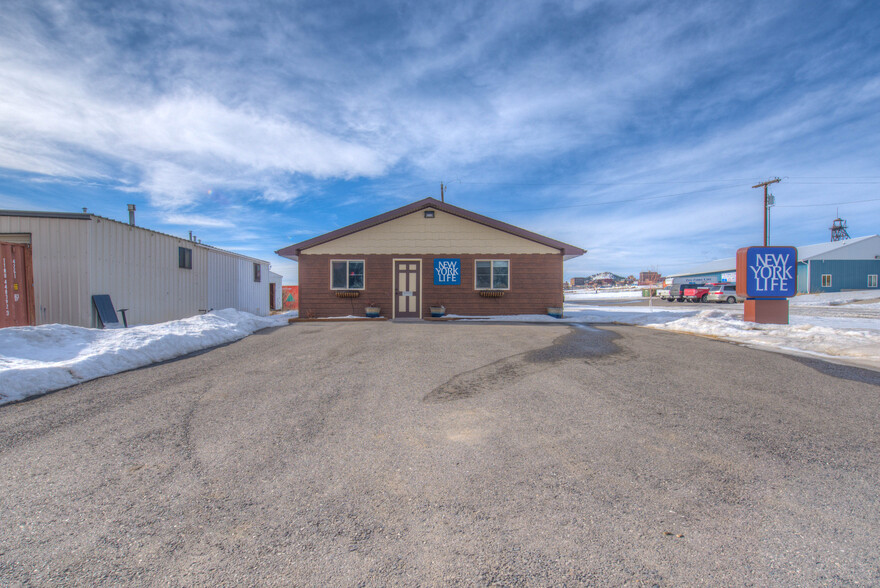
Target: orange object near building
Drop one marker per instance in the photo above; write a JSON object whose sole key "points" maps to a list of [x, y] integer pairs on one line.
{"points": [[290, 297]]}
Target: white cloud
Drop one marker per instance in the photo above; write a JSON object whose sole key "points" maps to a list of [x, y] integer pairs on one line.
{"points": [[268, 109], [197, 220]]}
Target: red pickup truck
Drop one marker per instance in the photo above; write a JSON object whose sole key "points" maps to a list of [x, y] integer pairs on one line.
{"points": [[697, 292]]}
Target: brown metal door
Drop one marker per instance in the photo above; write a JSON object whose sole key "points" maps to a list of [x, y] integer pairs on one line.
{"points": [[16, 296], [406, 289]]}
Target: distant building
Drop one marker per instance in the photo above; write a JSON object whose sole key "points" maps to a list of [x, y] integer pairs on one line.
{"points": [[578, 282], [648, 278], [852, 264]]}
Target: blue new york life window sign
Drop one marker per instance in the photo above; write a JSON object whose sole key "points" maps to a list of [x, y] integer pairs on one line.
{"points": [[447, 272], [771, 272]]}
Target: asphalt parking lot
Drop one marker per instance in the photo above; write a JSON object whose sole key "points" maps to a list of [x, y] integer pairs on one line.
{"points": [[449, 454]]}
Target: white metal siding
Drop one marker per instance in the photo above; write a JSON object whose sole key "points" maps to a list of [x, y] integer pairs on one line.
{"points": [[276, 279], [139, 270], [74, 259], [59, 247], [231, 284]]}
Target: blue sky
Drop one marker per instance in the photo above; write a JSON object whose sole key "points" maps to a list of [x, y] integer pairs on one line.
{"points": [[633, 129]]}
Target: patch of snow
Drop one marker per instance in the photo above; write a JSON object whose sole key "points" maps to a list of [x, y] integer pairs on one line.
{"points": [[849, 333], [833, 298], [602, 294], [346, 317], [34, 360], [832, 341]]}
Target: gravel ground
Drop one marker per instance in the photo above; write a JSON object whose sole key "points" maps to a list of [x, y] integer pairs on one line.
{"points": [[449, 454]]}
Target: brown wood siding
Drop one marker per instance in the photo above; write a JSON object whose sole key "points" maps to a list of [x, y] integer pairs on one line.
{"points": [[535, 284]]}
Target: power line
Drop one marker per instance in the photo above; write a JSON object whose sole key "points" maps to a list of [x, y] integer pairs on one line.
{"points": [[830, 183], [611, 183], [826, 204], [861, 180]]}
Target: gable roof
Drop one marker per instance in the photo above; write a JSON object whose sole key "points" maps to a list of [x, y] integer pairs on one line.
{"points": [[90, 216], [810, 251], [805, 253], [293, 251]]}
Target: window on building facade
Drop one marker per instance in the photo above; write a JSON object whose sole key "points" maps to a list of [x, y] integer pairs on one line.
{"points": [[257, 275], [826, 280], [492, 274], [185, 257], [872, 280], [347, 274]]}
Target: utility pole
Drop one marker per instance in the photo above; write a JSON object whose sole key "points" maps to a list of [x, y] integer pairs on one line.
{"points": [[442, 189], [765, 184]]}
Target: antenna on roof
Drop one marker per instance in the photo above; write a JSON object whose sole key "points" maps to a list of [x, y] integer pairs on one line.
{"points": [[442, 192]]}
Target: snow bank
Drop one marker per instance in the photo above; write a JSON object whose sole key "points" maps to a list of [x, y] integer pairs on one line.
{"points": [[834, 298], [826, 325], [39, 359], [826, 341]]}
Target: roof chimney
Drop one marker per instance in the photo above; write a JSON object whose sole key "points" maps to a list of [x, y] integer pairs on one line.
{"points": [[131, 214]]}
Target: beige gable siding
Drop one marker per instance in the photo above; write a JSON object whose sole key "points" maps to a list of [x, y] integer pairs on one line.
{"points": [[415, 234]]}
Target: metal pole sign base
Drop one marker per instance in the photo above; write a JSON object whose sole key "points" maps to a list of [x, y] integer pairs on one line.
{"points": [[768, 312]]}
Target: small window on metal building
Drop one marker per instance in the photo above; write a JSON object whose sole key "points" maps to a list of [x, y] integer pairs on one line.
{"points": [[185, 257], [826, 280], [256, 272], [872, 280]]}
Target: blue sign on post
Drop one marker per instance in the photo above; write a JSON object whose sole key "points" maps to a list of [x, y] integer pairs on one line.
{"points": [[771, 272], [447, 272]]}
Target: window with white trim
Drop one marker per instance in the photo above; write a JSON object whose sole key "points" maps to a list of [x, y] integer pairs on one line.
{"points": [[492, 274], [826, 280], [347, 274], [872, 280]]}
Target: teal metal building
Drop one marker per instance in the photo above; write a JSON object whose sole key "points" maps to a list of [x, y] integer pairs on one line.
{"points": [[852, 264]]}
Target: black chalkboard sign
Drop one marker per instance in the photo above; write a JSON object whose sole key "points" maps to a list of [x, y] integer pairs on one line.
{"points": [[106, 312]]}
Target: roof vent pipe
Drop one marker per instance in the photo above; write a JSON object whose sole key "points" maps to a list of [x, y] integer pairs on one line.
{"points": [[190, 235], [131, 214]]}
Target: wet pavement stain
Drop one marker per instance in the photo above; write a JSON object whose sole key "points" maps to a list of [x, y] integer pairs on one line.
{"points": [[846, 372], [581, 342]]}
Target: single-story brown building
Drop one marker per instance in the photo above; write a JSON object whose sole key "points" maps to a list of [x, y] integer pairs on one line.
{"points": [[429, 253]]}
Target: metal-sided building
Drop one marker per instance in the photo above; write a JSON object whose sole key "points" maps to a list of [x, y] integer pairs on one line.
{"points": [[851, 264], [275, 290], [158, 277], [425, 254]]}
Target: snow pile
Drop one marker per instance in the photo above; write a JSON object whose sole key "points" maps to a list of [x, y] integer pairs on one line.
{"points": [[594, 314], [834, 298], [833, 342], [825, 325], [39, 359]]}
